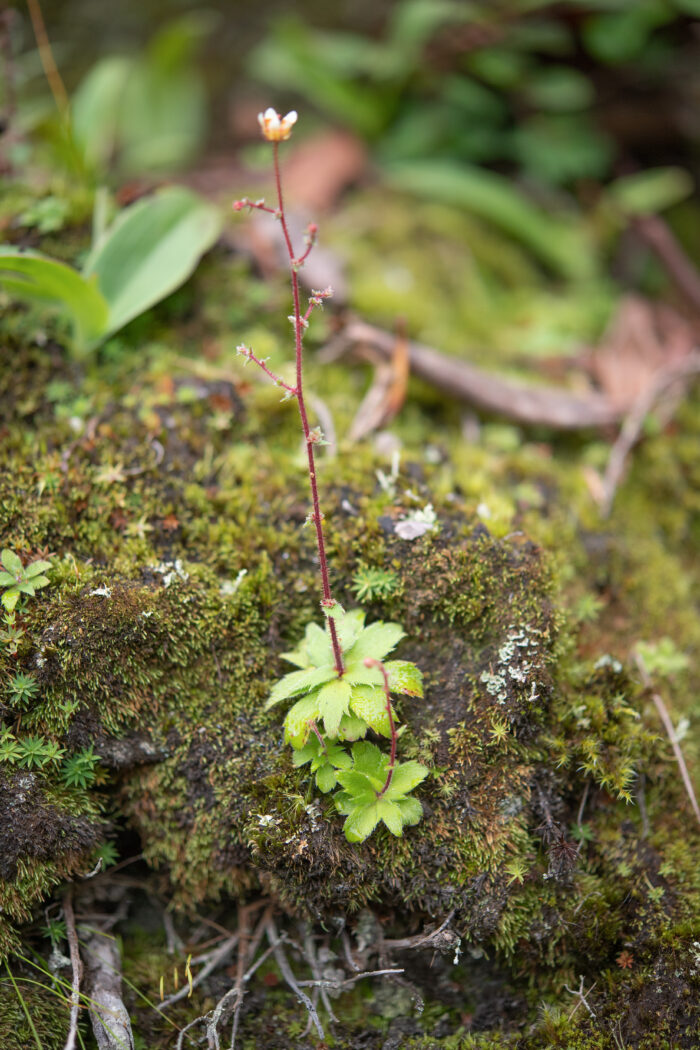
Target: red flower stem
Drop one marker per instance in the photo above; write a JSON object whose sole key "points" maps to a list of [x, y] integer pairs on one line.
{"points": [[250, 356], [328, 601], [314, 728], [369, 662]]}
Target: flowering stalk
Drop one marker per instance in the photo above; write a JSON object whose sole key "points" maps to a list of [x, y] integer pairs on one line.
{"points": [[369, 662], [277, 129]]}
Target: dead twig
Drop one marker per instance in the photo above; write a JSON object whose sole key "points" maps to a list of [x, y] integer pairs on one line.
{"points": [[581, 997], [286, 971], [215, 960], [111, 1024], [634, 423], [533, 405], [671, 733], [76, 967], [657, 234], [423, 940]]}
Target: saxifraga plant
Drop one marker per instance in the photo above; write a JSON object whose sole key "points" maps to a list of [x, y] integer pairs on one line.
{"points": [[342, 688]]}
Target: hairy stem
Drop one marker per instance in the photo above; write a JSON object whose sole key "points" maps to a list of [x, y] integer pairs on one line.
{"points": [[328, 601], [370, 662]]}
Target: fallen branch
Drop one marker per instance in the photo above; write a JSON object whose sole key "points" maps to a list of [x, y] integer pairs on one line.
{"points": [[110, 1019], [76, 967], [286, 971], [533, 405]]}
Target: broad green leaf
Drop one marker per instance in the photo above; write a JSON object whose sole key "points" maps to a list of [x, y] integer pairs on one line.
{"points": [[299, 682], [376, 641], [404, 677], [391, 815], [411, 810], [304, 754], [150, 250], [361, 823], [6, 580], [369, 704], [12, 563], [95, 108], [30, 275], [559, 245], [296, 724], [648, 192], [407, 776], [37, 567], [326, 778], [333, 701]]}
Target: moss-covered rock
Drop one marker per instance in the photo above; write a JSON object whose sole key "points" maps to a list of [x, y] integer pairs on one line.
{"points": [[170, 499]]}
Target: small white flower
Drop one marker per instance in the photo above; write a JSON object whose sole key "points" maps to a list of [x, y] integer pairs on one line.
{"points": [[274, 127]]}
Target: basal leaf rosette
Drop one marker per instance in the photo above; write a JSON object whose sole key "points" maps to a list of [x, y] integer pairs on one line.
{"points": [[370, 797], [345, 705]]}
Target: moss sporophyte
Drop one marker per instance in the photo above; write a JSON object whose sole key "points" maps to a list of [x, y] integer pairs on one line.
{"points": [[342, 688]]}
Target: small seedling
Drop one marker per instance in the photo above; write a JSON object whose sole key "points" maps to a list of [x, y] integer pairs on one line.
{"points": [[342, 689], [18, 579]]}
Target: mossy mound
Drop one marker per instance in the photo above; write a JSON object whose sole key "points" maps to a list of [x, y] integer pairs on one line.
{"points": [[172, 503]]}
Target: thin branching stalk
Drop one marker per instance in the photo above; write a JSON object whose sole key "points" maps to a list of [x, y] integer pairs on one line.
{"points": [[369, 662]]}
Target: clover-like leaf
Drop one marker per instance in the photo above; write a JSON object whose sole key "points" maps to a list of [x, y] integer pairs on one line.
{"points": [[369, 704], [299, 682], [333, 700], [376, 641], [404, 677]]}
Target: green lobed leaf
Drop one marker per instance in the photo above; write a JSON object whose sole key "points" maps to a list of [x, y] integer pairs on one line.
{"points": [[368, 759], [391, 815], [361, 822], [299, 682], [369, 704], [333, 700], [352, 728], [37, 567], [296, 724], [348, 626], [404, 677], [326, 778], [411, 810], [359, 786], [406, 776], [376, 641]]}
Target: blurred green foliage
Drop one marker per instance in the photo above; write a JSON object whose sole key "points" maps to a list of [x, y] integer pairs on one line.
{"points": [[512, 83]]}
